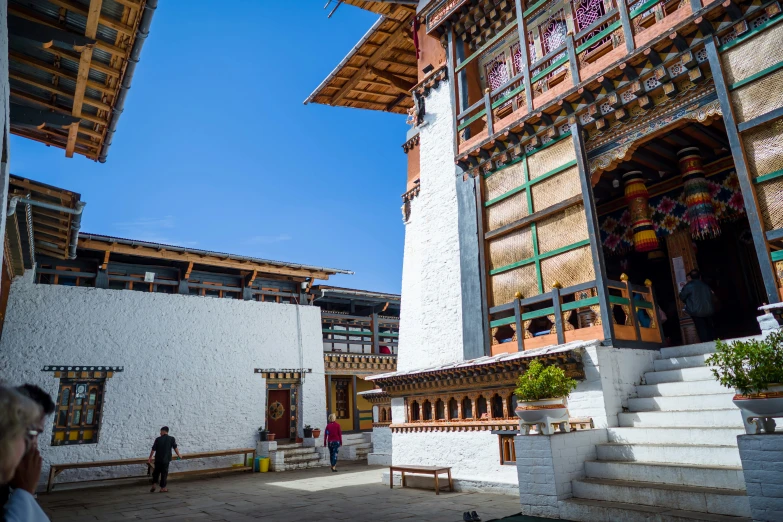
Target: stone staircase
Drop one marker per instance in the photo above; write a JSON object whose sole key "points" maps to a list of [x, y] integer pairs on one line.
{"points": [[674, 456], [356, 446], [297, 456]]}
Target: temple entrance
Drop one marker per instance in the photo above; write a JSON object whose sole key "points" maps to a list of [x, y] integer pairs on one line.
{"points": [[278, 414], [673, 207]]}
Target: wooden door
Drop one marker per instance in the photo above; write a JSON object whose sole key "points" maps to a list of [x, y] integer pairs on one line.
{"points": [[682, 259], [278, 414]]}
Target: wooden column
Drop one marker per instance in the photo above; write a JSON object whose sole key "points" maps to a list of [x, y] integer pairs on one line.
{"points": [[523, 48], [330, 406], [557, 304], [597, 251], [741, 166], [625, 19], [520, 325], [355, 406], [478, 190], [375, 341]]}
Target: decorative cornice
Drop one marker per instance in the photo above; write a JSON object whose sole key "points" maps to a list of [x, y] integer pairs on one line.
{"points": [[432, 81], [359, 364], [82, 368], [289, 373], [378, 397], [488, 425], [381, 424], [412, 193], [408, 145]]}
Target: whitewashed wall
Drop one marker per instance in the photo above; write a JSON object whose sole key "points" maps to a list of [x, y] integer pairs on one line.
{"points": [[610, 376], [431, 317], [188, 362]]}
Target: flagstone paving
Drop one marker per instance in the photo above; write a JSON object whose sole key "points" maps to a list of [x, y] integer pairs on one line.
{"points": [[355, 493]]}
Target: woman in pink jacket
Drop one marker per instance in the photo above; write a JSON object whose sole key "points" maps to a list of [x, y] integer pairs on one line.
{"points": [[333, 437]]}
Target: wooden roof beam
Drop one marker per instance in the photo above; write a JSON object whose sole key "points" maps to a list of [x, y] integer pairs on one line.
{"points": [[70, 145], [76, 58], [98, 104], [56, 108], [153, 253], [62, 73], [27, 185], [396, 83], [90, 30], [90, 152], [77, 8], [379, 53]]}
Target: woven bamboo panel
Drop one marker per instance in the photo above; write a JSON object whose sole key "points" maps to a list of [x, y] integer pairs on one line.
{"points": [[507, 211], [753, 56], [511, 248], [504, 180], [758, 97], [764, 148], [569, 268], [770, 198], [550, 158], [505, 285], [556, 189], [559, 230]]}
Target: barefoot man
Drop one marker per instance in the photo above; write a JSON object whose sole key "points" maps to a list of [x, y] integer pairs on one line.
{"points": [[162, 452]]}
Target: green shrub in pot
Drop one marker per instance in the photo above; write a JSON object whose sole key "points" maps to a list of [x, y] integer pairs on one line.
{"points": [[543, 382]]}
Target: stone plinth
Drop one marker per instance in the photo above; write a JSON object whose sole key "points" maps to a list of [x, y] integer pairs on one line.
{"points": [[763, 470], [546, 465], [263, 449], [308, 442]]}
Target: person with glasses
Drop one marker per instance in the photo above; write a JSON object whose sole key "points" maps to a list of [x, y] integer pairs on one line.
{"points": [[19, 416]]}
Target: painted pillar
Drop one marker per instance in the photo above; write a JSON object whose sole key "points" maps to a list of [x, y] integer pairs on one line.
{"points": [[698, 200], [637, 197]]}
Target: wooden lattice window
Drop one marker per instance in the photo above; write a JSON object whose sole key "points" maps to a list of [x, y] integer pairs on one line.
{"points": [[508, 454], [79, 408], [440, 410], [426, 410], [481, 407], [415, 412], [342, 398], [467, 408]]}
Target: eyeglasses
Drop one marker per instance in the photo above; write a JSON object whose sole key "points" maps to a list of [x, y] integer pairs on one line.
{"points": [[30, 436]]}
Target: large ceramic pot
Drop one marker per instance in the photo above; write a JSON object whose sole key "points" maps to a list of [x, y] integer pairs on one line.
{"points": [[308, 433], [759, 409], [316, 433], [270, 437], [544, 414]]}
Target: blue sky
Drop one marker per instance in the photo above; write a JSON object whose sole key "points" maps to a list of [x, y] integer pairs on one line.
{"points": [[215, 149]]}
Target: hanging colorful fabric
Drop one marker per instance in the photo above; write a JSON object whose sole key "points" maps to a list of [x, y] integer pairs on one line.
{"points": [[698, 200], [636, 195]]}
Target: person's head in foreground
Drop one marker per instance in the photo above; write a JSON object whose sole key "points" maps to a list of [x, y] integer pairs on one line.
{"points": [[164, 431], [332, 417], [19, 416]]}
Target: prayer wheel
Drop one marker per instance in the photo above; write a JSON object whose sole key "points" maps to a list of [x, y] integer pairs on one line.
{"points": [[698, 200], [637, 197]]}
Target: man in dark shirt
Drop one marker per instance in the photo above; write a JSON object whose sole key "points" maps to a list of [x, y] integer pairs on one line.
{"points": [[700, 305], [161, 449]]}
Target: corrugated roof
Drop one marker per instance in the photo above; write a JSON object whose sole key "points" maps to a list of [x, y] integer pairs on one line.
{"points": [[355, 292], [197, 251]]}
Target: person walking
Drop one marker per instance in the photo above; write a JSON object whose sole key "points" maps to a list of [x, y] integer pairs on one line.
{"points": [[333, 437], [699, 302], [161, 449]]}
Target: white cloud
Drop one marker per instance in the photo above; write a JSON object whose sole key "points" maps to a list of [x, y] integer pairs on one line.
{"points": [[152, 229]]}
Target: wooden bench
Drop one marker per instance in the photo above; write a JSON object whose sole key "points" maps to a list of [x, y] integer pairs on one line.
{"points": [[56, 469], [421, 470]]}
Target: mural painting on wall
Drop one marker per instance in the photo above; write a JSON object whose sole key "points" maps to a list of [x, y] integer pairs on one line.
{"points": [[669, 212]]}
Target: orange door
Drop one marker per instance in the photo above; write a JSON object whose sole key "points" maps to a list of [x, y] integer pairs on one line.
{"points": [[278, 414]]}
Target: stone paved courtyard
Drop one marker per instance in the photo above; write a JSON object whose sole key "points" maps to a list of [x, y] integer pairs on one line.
{"points": [[355, 493]]}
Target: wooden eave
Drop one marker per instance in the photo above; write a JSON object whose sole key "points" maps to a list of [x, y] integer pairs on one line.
{"points": [[396, 10], [202, 258], [80, 81], [51, 229], [379, 72]]}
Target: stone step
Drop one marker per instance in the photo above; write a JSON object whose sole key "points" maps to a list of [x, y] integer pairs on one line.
{"points": [[683, 403], [688, 350], [676, 363], [728, 477], [720, 418], [305, 465], [588, 510], [296, 451], [709, 436], [354, 439], [683, 375], [702, 455], [679, 389], [688, 498], [301, 458]]}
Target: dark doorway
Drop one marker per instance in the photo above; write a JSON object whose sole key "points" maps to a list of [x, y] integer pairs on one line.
{"points": [[278, 416]]}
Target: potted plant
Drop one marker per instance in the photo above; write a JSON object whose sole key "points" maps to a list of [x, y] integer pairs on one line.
{"points": [[262, 433], [316, 432], [542, 392], [270, 436], [308, 431], [754, 369]]}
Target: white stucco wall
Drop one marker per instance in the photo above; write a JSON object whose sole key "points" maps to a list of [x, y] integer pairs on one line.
{"points": [[382, 441], [431, 308], [610, 376], [188, 363]]}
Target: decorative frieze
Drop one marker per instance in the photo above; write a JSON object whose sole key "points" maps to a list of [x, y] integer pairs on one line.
{"points": [[432, 81], [358, 364], [465, 426], [291, 374]]}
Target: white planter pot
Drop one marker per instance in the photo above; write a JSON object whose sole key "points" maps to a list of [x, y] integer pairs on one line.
{"points": [[544, 414], [760, 410]]}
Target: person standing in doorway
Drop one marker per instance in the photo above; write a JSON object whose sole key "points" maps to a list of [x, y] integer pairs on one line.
{"points": [[333, 437], [699, 302], [161, 449]]}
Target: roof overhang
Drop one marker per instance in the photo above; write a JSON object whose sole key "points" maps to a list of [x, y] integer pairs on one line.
{"points": [[71, 63], [132, 247], [380, 70]]}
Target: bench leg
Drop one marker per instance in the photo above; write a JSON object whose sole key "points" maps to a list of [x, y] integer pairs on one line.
{"points": [[391, 478], [403, 479], [437, 484], [451, 483], [50, 484]]}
